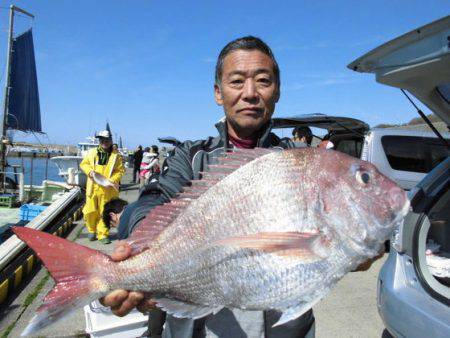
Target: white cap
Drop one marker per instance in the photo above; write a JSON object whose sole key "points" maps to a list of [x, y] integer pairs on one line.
{"points": [[104, 134]]}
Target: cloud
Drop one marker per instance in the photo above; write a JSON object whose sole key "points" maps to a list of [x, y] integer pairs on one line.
{"points": [[208, 60], [319, 80], [371, 41], [299, 46]]}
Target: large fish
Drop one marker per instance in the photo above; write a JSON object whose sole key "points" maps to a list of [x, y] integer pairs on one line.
{"points": [[263, 229]]}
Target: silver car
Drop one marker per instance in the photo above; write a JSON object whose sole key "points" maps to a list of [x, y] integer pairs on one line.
{"points": [[414, 283]]}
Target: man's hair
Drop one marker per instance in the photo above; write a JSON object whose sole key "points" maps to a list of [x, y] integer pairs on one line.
{"points": [[116, 206], [245, 43], [305, 131]]}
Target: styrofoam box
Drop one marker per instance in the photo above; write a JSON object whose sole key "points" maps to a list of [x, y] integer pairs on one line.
{"points": [[101, 322]]}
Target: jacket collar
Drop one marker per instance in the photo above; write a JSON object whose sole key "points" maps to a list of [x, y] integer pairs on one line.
{"points": [[264, 140]]}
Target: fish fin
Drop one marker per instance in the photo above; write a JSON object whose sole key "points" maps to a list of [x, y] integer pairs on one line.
{"points": [[304, 245], [163, 215], [77, 271], [181, 309], [296, 311]]}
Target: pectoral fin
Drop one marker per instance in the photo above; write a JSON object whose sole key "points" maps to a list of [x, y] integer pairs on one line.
{"points": [[308, 246]]}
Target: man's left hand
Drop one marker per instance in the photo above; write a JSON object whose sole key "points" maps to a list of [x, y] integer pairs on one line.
{"points": [[115, 185]]}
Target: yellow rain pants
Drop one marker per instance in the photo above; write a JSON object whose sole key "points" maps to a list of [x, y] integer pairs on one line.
{"points": [[97, 195]]}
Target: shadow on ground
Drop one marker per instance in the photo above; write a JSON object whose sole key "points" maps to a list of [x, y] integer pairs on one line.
{"points": [[129, 186]]}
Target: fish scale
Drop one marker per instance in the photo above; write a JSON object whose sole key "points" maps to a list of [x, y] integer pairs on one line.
{"points": [[265, 230]]}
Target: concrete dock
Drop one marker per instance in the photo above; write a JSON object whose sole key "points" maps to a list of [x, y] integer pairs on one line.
{"points": [[348, 311]]}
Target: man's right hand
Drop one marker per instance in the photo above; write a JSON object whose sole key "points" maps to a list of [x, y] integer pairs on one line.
{"points": [[122, 302]]}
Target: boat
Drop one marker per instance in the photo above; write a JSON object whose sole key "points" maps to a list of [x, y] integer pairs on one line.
{"points": [[51, 206], [69, 166]]}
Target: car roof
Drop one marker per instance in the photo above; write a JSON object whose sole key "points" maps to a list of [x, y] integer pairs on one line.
{"points": [[331, 123]]}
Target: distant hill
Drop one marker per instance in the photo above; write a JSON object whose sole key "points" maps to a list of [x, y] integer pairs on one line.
{"points": [[63, 148], [418, 123]]}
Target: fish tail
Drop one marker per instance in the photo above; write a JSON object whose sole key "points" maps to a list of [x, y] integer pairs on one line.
{"points": [[79, 273]]}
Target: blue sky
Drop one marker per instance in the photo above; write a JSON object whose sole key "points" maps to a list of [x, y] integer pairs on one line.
{"points": [[148, 66]]}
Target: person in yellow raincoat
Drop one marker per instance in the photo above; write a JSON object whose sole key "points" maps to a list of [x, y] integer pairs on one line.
{"points": [[108, 163]]}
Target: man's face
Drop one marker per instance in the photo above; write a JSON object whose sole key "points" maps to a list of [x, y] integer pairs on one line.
{"points": [[248, 92], [105, 143], [115, 219]]}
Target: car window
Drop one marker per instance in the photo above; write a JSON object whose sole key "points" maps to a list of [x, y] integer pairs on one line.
{"points": [[351, 147], [444, 91], [416, 154]]}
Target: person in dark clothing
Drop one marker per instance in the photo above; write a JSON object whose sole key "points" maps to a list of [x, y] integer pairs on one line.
{"points": [[247, 85], [112, 212], [302, 134], [137, 163]]}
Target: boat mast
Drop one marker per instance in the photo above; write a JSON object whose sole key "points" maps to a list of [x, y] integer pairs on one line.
{"points": [[3, 125]]}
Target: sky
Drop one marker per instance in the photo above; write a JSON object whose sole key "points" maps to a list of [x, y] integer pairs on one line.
{"points": [[147, 67]]}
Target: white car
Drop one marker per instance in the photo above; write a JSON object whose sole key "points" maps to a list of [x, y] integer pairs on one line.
{"points": [[405, 156]]}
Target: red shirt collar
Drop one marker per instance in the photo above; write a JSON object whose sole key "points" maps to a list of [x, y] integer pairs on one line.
{"points": [[249, 143]]}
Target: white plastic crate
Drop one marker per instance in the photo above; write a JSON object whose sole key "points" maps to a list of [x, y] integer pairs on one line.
{"points": [[101, 322]]}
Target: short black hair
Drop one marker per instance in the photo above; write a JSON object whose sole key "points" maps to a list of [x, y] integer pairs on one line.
{"points": [[116, 205], [305, 131], [245, 43], [155, 149]]}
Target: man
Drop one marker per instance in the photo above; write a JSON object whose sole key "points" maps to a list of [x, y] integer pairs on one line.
{"points": [[247, 85], [112, 211], [137, 159], [107, 162], [302, 134]]}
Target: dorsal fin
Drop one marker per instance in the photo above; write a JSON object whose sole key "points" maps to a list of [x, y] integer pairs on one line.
{"points": [[163, 215]]}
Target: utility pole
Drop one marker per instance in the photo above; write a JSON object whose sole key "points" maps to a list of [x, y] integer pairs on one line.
{"points": [[3, 126]]}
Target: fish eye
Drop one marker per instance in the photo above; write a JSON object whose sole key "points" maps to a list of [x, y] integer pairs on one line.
{"points": [[362, 177]]}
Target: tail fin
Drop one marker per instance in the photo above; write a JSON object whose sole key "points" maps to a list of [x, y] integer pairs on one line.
{"points": [[77, 270]]}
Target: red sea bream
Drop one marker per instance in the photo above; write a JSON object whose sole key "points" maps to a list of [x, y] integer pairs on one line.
{"points": [[263, 229]]}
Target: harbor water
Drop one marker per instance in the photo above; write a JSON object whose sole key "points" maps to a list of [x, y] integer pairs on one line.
{"points": [[39, 171]]}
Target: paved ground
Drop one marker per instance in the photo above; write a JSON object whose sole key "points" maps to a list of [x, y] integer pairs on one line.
{"points": [[348, 311]]}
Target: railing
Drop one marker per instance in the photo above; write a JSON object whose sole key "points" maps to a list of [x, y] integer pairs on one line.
{"points": [[10, 248], [20, 182]]}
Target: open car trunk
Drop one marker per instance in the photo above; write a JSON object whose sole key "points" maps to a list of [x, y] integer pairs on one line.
{"points": [[347, 134], [419, 62]]}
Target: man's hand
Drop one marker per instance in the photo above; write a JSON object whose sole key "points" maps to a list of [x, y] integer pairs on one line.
{"points": [[116, 186], [91, 174], [122, 302]]}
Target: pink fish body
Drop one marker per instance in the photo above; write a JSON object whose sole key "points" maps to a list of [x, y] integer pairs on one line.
{"points": [[264, 229]]}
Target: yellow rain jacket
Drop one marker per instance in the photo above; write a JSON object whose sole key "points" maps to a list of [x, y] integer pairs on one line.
{"points": [[96, 195]]}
